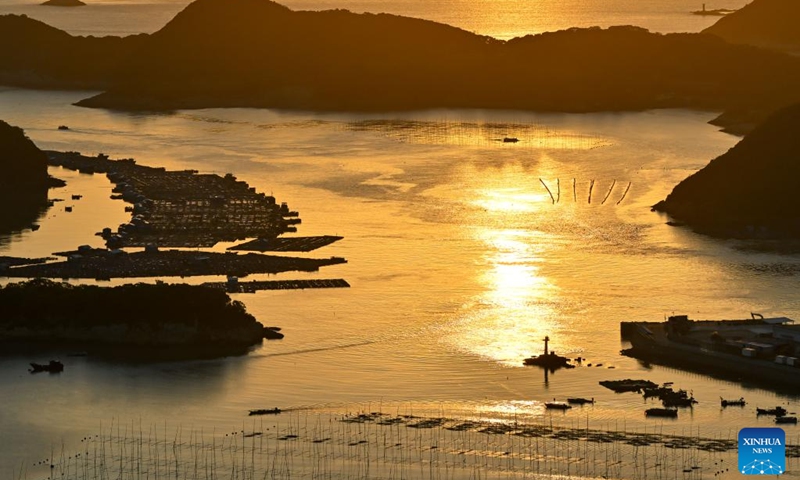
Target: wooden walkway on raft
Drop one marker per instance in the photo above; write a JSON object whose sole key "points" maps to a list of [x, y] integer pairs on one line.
{"points": [[287, 244], [255, 286]]}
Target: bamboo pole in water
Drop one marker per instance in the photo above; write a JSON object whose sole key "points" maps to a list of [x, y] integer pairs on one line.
{"points": [[608, 194], [625, 193], [574, 190], [548, 191], [558, 186]]}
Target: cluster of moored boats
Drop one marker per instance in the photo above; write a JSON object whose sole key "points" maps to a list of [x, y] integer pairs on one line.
{"points": [[672, 400], [780, 414]]}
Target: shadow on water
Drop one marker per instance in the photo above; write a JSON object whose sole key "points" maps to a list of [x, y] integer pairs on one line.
{"points": [[751, 382]]}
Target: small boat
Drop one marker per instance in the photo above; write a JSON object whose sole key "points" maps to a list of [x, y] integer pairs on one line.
{"points": [[661, 412], [63, 127], [777, 411], [786, 420], [53, 367], [35, 227], [271, 411], [510, 139], [557, 406], [732, 403], [580, 401]]}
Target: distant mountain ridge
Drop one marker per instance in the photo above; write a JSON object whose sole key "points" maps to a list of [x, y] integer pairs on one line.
{"points": [[257, 53], [36, 55], [750, 191], [766, 23]]}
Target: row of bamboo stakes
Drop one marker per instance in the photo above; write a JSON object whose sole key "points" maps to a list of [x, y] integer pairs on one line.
{"points": [[557, 197]]}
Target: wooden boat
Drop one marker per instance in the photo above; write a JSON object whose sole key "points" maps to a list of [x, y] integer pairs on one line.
{"points": [[786, 420], [53, 367], [262, 411], [628, 385], [777, 411], [661, 412], [732, 403], [580, 401], [557, 406]]}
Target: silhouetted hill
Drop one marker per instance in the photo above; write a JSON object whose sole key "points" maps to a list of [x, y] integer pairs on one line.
{"points": [[22, 163], [752, 190], [258, 53], [765, 23], [181, 320], [37, 55], [23, 179]]}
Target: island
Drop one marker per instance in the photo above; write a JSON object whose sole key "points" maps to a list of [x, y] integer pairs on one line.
{"points": [[64, 3], [148, 320], [24, 181], [294, 60], [750, 191]]}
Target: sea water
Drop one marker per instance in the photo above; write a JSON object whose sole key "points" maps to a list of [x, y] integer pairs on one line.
{"points": [[460, 263]]}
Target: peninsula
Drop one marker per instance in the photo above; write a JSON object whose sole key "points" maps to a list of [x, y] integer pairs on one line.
{"points": [[750, 191]]}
